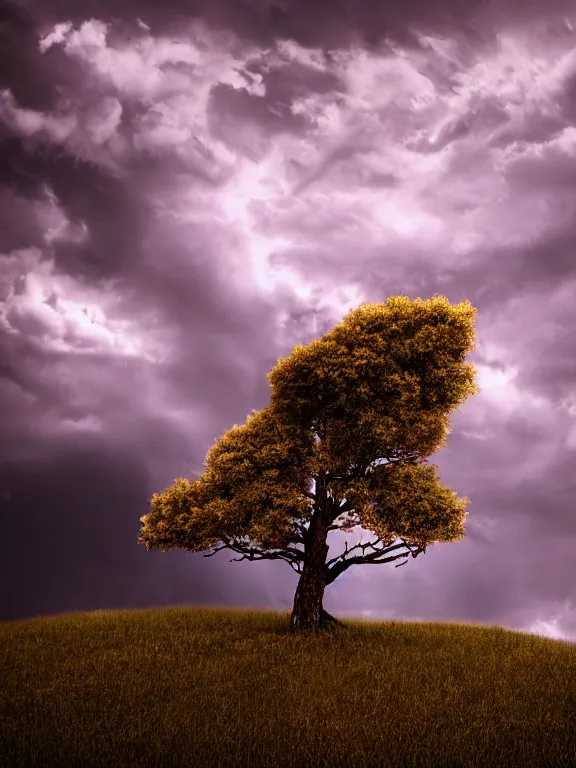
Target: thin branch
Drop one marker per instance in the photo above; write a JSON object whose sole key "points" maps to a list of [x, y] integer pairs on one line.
{"points": [[409, 457], [348, 506], [297, 538], [370, 556], [363, 469], [292, 556], [334, 572], [357, 470], [268, 556], [214, 550], [341, 563], [301, 537], [347, 525]]}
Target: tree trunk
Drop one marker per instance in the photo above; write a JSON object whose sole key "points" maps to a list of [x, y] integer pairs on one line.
{"points": [[307, 610], [308, 614]]}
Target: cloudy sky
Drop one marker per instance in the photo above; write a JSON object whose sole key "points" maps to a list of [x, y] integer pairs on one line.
{"points": [[186, 195]]}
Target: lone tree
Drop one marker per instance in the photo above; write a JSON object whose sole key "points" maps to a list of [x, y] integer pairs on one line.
{"points": [[352, 418]]}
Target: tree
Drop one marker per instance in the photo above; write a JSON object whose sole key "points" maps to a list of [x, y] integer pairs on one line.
{"points": [[352, 418]]}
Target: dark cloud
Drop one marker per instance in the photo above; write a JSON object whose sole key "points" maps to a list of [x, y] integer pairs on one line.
{"points": [[34, 79], [80, 494], [316, 22], [88, 195], [273, 114]]}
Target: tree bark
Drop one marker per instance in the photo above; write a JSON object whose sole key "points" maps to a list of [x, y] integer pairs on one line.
{"points": [[307, 610], [308, 614]]}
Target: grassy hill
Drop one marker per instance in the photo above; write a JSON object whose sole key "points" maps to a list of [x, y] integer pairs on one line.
{"points": [[212, 687]]}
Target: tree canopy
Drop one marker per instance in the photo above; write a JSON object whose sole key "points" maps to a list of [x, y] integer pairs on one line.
{"points": [[352, 418]]}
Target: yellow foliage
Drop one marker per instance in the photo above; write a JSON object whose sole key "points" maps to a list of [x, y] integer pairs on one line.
{"points": [[379, 385], [255, 474], [409, 501], [180, 515]]}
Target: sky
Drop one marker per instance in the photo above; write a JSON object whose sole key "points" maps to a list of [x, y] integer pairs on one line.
{"points": [[185, 195]]}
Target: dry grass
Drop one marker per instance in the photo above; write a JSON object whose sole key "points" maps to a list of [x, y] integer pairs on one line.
{"points": [[213, 687]]}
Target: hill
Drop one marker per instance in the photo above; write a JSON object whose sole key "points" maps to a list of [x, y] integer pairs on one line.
{"points": [[213, 687]]}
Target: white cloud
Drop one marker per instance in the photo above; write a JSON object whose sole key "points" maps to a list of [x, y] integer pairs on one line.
{"points": [[29, 122], [64, 315], [58, 34], [148, 70], [551, 627], [317, 192], [84, 424], [103, 119]]}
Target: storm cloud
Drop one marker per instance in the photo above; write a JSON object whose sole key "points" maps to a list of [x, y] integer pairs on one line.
{"points": [[188, 190]]}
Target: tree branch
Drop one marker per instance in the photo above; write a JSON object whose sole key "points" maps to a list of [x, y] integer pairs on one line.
{"points": [[346, 525], [408, 457], [363, 470], [357, 470], [341, 563], [292, 556], [336, 571], [302, 536], [346, 507], [371, 555]]}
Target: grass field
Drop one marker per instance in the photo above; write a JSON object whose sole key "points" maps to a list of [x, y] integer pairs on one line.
{"points": [[214, 687]]}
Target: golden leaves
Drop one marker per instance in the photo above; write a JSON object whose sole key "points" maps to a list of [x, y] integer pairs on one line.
{"points": [[411, 502], [380, 384]]}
